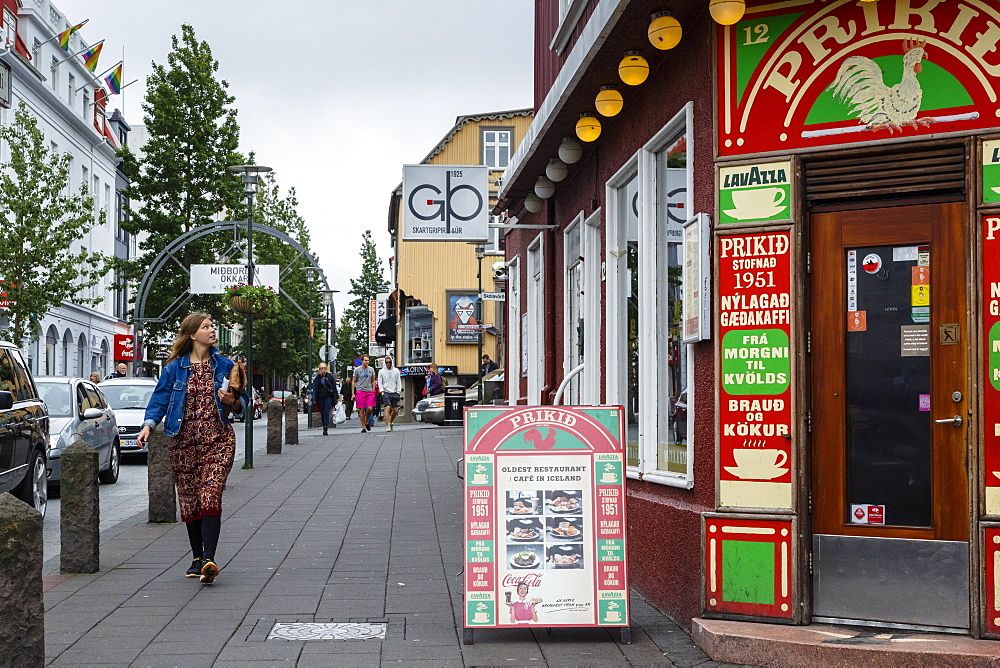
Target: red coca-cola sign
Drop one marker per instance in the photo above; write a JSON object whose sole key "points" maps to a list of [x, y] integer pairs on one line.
{"points": [[124, 347]]}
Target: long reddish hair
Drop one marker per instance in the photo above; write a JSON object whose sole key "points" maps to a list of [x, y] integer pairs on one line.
{"points": [[183, 344]]}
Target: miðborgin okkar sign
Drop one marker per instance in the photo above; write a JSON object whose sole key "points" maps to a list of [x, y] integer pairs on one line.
{"points": [[545, 517], [755, 413]]}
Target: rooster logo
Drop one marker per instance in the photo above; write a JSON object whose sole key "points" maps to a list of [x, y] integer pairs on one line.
{"points": [[535, 436], [859, 82]]}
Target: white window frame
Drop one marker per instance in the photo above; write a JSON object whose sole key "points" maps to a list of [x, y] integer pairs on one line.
{"points": [[653, 364], [496, 145], [590, 246], [575, 227], [570, 12], [9, 28], [535, 331], [514, 342]]}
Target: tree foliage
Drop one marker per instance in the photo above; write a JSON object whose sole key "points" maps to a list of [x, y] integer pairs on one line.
{"points": [[181, 180], [355, 318], [43, 219], [286, 323]]}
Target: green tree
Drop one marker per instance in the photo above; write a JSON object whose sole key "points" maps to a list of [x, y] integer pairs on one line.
{"points": [[355, 318], [285, 323], [42, 219], [182, 179]]}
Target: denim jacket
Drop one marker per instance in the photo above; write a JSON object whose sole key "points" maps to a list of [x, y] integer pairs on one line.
{"points": [[171, 390]]}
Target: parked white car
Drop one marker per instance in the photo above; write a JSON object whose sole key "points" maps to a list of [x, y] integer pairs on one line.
{"points": [[78, 411], [129, 398]]}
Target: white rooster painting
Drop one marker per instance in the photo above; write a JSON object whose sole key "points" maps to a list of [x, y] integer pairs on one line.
{"points": [[859, 83]]}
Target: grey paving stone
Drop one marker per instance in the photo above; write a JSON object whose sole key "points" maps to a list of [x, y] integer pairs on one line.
{"points": [[152, 659]]}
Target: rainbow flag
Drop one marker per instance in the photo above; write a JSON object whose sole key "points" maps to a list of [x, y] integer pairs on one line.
{"points": [[63, 37], [92, 55], [114, 80]]}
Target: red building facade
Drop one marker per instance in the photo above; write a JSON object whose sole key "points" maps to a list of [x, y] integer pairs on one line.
{"points": [[777, 257]]}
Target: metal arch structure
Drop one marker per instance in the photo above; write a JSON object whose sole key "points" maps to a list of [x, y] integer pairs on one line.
{"points": [[168, 253]]}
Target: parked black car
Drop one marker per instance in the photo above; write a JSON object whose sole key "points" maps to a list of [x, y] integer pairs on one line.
{"points": [[24, 432]]}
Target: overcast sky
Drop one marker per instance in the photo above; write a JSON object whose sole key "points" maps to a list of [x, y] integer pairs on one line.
{"points": [[335, 95]]}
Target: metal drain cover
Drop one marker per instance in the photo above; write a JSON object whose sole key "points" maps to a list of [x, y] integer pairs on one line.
{"points": [[326, 631]]}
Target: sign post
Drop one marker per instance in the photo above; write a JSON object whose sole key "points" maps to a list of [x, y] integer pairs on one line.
{"points": [[545, 518]]}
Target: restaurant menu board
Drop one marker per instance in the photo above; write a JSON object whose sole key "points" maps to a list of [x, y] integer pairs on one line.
{"points": [[991, 358], [545, 517], [755, 414]]}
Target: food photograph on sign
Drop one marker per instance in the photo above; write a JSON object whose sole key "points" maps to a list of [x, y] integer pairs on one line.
{"points": [[557, 518]]}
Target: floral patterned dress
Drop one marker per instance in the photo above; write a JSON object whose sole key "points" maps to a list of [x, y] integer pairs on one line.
{"points": [[202, 452]]}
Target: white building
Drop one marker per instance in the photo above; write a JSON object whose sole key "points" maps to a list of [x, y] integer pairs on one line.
{"points": [[71, 112]]}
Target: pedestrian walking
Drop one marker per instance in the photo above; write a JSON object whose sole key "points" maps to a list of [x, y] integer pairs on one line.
{"points": [[391, 385], [324, 394], [194, 395], [347, 395], [364, 392], [121, 371], [488, 364], [433, 382]]}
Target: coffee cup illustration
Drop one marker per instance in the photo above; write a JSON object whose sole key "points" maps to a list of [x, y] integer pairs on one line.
{"points": [[609, 477], [757, 203], [481, 618], [480, 479], [758, 463]]}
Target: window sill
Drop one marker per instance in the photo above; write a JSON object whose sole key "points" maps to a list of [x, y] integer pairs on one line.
{"points": [[679, 480], [573, 13]]}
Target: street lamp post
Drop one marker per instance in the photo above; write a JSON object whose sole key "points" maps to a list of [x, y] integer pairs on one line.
{"points": [[480, 254], [284, 357], [250, 178]]}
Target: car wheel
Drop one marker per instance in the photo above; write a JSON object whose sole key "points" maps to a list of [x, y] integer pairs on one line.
{"points": [[109, 476], [34, 489]]}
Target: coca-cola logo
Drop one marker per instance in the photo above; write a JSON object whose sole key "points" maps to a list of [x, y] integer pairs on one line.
{"points": [[530, 579]]}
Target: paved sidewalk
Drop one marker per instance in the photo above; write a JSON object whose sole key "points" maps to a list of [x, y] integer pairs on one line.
{"points": [[348, 527]]}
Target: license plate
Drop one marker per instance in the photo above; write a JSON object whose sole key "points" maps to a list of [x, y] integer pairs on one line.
{"points": [[418, 417], [129, 443]]}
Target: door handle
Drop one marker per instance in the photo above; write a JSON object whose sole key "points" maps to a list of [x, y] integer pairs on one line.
{"points": [[957, 421]]}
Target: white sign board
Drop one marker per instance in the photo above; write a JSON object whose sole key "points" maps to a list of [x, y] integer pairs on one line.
{"points": [[213, 279], [493, 296], [696, 271], [446, 203]]}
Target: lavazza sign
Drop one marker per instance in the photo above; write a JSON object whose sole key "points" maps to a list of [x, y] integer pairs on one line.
{"points": [[445, 203]]}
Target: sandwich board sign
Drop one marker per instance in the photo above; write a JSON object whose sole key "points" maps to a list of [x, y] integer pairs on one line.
{"points": [[545, 517]]}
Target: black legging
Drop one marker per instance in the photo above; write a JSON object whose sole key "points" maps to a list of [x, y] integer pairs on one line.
{"points": [[203, 535]]}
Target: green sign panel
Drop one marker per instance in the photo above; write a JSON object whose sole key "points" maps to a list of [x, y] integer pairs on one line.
{"points": [[991, 171], [755, 193], [755, 361]]}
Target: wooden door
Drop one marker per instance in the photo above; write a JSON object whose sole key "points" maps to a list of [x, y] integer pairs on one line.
{"points": [[889, 372]]}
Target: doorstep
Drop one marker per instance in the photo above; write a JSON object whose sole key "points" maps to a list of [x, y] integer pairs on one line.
{"points": [[756, 644]]}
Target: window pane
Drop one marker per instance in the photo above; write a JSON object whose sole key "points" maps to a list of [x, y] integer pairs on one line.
{"points": [[490, 137], [490, 156], [628, 217], [504, 150]]}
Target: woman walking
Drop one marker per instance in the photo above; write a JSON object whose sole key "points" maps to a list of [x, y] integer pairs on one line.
{"points": [[433, 382], [347, 394], [324, 394], [190, 397]]}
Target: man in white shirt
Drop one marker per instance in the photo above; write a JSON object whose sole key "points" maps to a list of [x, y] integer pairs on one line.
{"points": [[390, 385]]}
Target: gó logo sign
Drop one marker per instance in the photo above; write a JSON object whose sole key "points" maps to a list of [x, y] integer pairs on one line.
{"points": [[445, 203]]}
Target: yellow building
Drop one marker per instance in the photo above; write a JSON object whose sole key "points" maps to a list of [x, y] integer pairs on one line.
{"points": [[432, 278]]}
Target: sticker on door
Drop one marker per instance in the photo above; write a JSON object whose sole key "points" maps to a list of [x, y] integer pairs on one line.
{"points": [[863, 513]]}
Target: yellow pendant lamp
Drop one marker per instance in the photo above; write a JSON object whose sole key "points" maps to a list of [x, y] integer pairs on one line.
{"points": [[588, 128], [633, 69], [727, 12], [609, 101], [664, 31]]}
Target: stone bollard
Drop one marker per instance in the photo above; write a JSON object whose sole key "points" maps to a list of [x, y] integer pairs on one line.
{"points": [[274, 413], [291, 420], [160, 480], [80, 512], [22, 605]]}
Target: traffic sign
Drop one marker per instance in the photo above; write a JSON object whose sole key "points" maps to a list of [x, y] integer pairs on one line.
{"points": [[493, 296]]}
